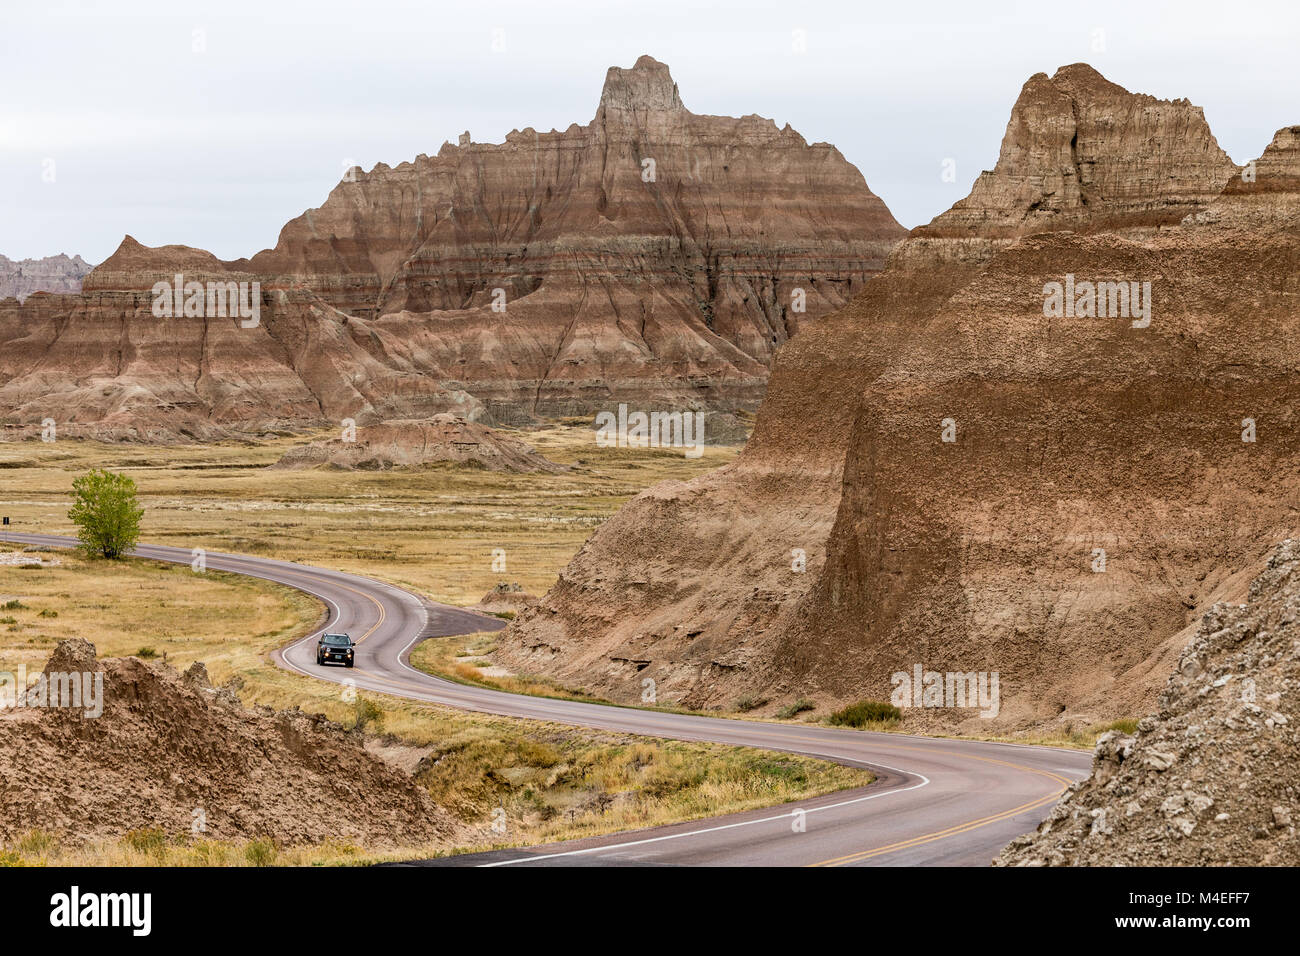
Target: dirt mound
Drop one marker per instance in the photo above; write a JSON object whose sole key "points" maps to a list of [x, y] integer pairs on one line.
{"points": [[410, 444], [506, 598], [169, 750], [1213, 777]]}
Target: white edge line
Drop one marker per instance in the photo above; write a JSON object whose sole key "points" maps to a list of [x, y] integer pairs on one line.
{"points": [[726, 826]]}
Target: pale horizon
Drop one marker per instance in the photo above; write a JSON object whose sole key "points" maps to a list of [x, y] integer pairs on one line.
{"points": [[179, 124]]}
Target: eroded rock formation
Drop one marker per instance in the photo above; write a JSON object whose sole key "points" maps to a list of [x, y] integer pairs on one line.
{"points": [[101, 364], [850, 541], [506, 597], [144, 747], [19, 279], [653, 256], [411, 444]]}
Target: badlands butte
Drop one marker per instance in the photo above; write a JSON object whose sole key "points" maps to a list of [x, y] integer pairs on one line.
{"points": [[653, 256], [1107, 484]]}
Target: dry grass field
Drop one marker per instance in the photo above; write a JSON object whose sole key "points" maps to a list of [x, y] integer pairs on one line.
{"points": [[433, 529]]}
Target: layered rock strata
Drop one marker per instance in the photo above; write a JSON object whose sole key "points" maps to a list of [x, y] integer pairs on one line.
{"points": [[1094, 496], [654, 256]]}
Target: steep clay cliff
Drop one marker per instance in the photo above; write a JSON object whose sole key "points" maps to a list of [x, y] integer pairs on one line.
{"points": [[1072, 434]]}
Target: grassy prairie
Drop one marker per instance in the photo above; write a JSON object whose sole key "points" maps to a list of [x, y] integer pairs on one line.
{"points": [[132, 606], [433, 530]]}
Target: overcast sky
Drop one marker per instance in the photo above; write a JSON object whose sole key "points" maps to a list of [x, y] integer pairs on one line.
{"points": [[212, 124]]}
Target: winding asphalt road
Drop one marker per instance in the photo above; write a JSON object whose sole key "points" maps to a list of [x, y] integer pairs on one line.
{"points": [[934, 802]]}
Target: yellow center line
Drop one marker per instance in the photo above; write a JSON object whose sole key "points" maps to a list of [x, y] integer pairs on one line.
{"points": [[382, 613], [960, 827], [939, 834]]}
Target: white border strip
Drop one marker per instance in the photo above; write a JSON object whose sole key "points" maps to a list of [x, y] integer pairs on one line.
{"points": [[726, 826]]}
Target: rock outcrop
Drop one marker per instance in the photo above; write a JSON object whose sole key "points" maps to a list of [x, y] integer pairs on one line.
{"points": [[1083, 154], [1096, 493], [167, 750], [411, 444], [654, 256], [103, 365], [1212, 778], [19, 279], [650, 256], [506, 598]]}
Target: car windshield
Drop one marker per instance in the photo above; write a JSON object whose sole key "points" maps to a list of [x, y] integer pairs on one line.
{"points": [[338, 640]]}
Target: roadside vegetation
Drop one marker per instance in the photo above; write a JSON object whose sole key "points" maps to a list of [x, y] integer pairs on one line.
{"points": [[157, 848], [792, 710], [1081, 737], [466, 658], [867, 715]]}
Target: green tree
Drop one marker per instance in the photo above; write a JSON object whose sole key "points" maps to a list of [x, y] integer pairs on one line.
{"points": [[106, 512]]}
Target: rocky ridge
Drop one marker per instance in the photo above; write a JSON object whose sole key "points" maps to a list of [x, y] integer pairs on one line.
{"points": [[166, 745], [20, 278], [1210, 778]]}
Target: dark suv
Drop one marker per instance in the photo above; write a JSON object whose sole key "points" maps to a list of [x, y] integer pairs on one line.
{"points": [[336, 648]]}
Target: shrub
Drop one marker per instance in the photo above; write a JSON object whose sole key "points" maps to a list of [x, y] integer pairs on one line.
{"points": [[367, 713], [151, 841], [146, 653], [536, 753], [798, 707], [750, 702], [36, 843], [46, 612], [260, 853], [866, 712]]}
